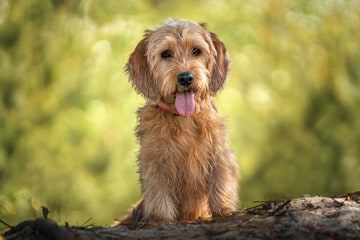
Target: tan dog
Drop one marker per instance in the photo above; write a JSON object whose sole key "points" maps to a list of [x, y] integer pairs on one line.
{"points": [[186, 169]]}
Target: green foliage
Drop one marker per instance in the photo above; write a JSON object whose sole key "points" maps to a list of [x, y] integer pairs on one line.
{"points": [[67, 111]]}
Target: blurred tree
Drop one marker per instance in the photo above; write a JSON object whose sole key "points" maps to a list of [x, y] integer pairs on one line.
{"points": [[58, 91], [313, 89]]}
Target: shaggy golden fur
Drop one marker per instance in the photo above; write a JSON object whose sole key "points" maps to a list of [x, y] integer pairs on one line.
{"points": [[186, 169]]}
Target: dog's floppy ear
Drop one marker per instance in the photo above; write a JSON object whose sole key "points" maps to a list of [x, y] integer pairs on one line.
{"points": [[221, 65], [139, 70]]}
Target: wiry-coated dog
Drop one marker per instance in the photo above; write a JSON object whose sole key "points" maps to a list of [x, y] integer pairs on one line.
{"points": [[187, 170]]}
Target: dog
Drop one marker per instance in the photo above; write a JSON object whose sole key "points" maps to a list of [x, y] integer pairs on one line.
{"points": [[187, 171]]}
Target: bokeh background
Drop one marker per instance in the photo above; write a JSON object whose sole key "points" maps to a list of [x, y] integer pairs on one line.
{"points": [[67, 110]]}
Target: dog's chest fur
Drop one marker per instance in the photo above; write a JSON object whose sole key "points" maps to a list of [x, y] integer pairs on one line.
{"points": [[181, 148]]}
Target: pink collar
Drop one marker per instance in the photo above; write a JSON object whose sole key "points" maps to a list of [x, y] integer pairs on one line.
{"points": [[165, 108]]}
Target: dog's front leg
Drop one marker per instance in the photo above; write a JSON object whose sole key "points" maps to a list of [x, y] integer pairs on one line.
{"points": [[158, 198], [223, 194]]}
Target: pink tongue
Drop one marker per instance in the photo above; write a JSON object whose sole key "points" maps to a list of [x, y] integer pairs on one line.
{"points": [[185, 103]]}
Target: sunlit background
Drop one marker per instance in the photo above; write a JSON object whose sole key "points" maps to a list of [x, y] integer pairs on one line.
{"points": [[67, 110]]}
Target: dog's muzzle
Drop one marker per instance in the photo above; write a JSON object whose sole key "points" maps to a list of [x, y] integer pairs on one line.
{"points": [[184, 98], [185, 79]]}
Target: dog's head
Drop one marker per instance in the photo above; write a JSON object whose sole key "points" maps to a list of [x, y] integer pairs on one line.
{"points": [[179, 64]]}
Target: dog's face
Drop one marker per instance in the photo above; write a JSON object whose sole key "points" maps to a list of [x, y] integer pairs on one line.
{"points": [[179, 64]]}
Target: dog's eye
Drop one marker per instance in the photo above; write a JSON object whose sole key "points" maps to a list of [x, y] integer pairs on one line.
{"points": [[196, 52], [166, 54]]}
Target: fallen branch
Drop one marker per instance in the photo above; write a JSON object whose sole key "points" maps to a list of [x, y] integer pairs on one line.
{"points": [[301, 218]]}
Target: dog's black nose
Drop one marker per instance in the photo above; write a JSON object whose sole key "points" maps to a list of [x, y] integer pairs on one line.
{"points": [[185, 79]]}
